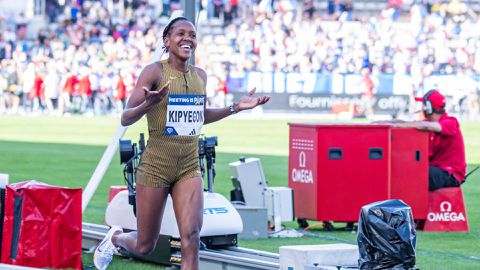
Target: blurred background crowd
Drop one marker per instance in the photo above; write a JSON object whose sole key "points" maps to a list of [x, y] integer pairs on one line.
{"points": [[87, 57]]}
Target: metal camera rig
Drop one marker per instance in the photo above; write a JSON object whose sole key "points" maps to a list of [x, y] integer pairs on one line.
{"points": [[206, 150], [130, 155]]}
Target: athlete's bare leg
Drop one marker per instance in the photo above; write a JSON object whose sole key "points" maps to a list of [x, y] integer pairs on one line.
{"points": [[187, 198], [150, 207]]}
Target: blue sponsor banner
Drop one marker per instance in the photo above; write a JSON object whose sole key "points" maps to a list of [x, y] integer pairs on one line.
{"points": [[385, 84], [255, 79], [280, 82], [267, 82], [402, 84], [323, 83], [336, 83], [295, 83], [235, 84], [353, 84]]}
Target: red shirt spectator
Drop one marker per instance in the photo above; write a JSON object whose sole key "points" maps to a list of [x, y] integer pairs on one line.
{"points": [[70, 85], [37, 87], [367, 83], [84, 86], [121, 90]]}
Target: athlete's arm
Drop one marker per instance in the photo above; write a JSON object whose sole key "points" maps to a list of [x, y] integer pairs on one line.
{"points": [[145, 95]]}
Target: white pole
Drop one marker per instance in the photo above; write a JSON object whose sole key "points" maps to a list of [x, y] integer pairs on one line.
{"points": [[107, 157], [102, 167]]}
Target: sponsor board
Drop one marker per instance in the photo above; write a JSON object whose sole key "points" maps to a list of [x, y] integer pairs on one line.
{"points": [[325, 103], [446, 211]]}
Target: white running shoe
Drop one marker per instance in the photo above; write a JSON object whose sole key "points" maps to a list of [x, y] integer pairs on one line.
{"points": [[105, 250]]}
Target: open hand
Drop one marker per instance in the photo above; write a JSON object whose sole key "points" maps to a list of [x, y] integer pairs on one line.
{"points": [[154, 97], [250, 102]]}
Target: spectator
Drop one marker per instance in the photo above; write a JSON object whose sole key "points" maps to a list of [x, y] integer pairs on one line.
{"points": [[52, 86], [368, 95], [37, 92], [13, 89], [3, 91]]}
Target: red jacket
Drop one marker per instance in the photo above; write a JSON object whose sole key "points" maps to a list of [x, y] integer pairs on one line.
{"points": [[37, 90], [121, 90], [70, 84], [84, 86]]}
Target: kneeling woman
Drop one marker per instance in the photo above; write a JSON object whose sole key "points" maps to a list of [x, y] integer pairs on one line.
{"points": [[172, 95]]}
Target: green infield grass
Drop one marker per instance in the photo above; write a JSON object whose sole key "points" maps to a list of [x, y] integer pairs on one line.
{"points": [[65, 151]]}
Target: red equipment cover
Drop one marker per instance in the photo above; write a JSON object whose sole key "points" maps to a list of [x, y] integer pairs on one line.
{"points": [[42, 226]]}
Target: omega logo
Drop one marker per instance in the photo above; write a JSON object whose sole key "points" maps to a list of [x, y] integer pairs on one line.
{"points": [[302, 174], [446, 214], [302, 159], [446, 207]]}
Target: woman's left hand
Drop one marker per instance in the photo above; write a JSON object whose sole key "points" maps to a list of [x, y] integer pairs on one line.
{"points": [[250, 102]]}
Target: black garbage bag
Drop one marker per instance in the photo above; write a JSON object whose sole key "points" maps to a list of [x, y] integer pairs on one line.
{"points": [[386, 236]]}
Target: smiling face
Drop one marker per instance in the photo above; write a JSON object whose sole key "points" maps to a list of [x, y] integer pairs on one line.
{"points": [[181, 40]]}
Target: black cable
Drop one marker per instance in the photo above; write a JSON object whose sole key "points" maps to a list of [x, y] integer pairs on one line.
{"points": [[125, 178], [134, 156], [472, 171]]}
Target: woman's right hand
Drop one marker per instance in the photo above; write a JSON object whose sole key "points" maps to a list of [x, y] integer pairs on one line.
{"points": [[154, 97]]}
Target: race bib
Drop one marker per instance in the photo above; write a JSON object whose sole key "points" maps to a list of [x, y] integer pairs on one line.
{"points": [[185, 115]]}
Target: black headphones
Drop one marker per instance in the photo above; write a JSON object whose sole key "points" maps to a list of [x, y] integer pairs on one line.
{"points": [[427, 104]]}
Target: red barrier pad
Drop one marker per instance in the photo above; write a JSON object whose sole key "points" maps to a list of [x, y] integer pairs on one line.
{"points": [[446, 211], [42, 226]]}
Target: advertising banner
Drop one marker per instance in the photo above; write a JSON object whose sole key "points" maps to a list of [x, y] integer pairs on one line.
{"points": [[328, 103]]}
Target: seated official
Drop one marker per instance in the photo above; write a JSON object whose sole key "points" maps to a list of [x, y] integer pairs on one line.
{"points": [[447, 165]]}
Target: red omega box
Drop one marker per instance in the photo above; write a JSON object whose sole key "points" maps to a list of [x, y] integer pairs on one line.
{"points": [[335, 169]]}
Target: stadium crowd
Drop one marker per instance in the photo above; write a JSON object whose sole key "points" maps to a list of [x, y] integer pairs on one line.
{"points": [[88, 58]]}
